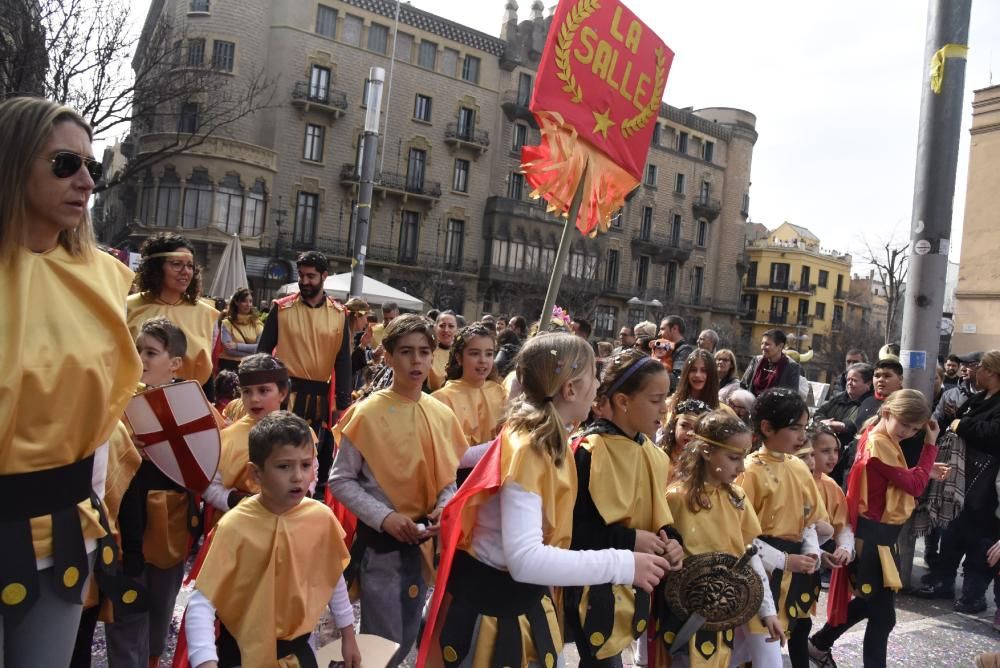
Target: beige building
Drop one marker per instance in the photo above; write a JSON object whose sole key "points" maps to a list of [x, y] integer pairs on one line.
{"points": [[452, 220], [977, 297], [794, 284]]}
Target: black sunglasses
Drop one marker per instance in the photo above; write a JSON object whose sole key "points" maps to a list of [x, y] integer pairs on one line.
{"points": [[66, 164]]}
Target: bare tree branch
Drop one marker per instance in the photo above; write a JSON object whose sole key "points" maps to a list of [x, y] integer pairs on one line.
{"points": [[891, 264]]}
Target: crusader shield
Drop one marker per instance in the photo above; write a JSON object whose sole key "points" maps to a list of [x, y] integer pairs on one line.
{"points": [[180, 434]]}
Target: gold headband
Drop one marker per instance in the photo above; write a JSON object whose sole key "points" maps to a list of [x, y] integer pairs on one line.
{"points": [[724, 446], [804, 450], [176, 254]]}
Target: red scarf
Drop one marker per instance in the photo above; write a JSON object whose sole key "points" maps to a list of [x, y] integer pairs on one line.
{"points": [[766, 378]]}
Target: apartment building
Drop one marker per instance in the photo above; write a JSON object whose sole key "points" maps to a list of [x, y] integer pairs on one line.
{"points": [[452, 219]]}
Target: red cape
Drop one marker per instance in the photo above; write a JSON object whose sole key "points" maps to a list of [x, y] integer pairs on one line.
{"points": [[840, 584]]}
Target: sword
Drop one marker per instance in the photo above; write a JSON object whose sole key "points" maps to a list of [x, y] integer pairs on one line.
{"points": [[696, 620]]}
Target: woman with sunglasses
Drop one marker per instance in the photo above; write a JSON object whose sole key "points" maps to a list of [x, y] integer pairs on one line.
{"points": [[169, 282], [67, 368]]}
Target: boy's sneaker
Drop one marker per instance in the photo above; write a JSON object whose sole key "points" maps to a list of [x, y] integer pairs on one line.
{"points": [[821, 659], [970, 607]]}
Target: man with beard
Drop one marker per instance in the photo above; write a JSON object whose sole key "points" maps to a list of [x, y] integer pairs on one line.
{"points": [[952, 366], [308, 332]]}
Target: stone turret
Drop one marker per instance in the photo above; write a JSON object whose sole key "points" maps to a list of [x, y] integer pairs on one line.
{"points": [[509, 27]]}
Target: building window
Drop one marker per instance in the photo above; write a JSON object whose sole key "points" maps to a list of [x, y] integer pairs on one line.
{"points": [[706, 191], [197, 200], [314, 143], [520, 136], [698, 284], [702, 233], [422, 108], [364, 93], [196, 52], [223, 55], [838, 311], [682, 142], [611, 273], [803, 314], [745, 205], [679, 184], [168, 200], [427, 55], [415, 167], [817, 344], [326, 21], [466, 123], [319, 83], [655, 139], [604, 321], [646, 225], [708, 151], [820, 311], [460, 183], [404, 46], [305, 219], [175, 57], [187, 120], [531, 256], [199, 5], [651, 175], [671, 279], [840, 286], [500, 248], [515, 185], [255, 210], [804, 277], [515, 260], [470, 69], [351, 31], [449, 62], [675, 231], [582, 266], [824, 278], [752, 275], [408, 236], [378, 38], [229, 204], [642, 272], [453, 243], [779, 275], [618, 218], [524, 88], [547, 260], [779, 310]]}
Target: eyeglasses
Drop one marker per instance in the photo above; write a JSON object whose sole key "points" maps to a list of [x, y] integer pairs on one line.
{"points": [[65, 164], [179, 265]]}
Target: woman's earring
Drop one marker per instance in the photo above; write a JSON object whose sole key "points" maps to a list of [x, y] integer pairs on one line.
{"points": [[718, 470]]}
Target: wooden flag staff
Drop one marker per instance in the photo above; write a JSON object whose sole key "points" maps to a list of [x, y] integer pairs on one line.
{"points": [[569, 225]]}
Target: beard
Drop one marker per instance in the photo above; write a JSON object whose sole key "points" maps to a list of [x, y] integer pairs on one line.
{"points": [[308, 291]]}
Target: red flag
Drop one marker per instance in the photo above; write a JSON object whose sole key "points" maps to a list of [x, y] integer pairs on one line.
{"points": [[597, 97]]}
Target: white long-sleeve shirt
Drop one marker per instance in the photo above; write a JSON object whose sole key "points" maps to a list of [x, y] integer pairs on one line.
{"points": [[508, 536], [199, 622]]}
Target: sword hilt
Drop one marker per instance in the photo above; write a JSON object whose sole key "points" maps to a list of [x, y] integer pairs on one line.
{"points": [[745, 559]]}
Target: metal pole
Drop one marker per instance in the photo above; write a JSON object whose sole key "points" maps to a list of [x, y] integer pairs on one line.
{"points": [[366, 183], [557, 268], [388, 89], [934, 190]]}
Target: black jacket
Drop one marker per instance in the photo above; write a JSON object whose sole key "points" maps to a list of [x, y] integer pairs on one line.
{"points": [[979, 427]]}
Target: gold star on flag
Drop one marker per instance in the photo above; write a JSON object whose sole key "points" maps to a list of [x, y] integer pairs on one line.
{"points": [[602, 122]]}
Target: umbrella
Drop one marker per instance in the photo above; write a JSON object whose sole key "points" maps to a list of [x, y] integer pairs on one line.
{"points": [[374, 292], [232, 272]]}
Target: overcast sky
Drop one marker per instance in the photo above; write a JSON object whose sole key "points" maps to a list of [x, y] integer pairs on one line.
{"points": [[835, 87]]}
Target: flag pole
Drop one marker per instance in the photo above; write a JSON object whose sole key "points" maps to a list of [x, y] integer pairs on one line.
{"points": [[559, 265]]}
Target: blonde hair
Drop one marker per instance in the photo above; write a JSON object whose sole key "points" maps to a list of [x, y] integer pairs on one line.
{"points": [[905, 405], [991, 360], [692, 467], [544, 364], [25, 126]]}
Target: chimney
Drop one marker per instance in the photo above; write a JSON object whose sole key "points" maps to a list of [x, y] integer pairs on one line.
{"points": [[536, 10]]}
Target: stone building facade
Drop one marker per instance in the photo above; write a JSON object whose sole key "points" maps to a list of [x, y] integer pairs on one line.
{"points": [[452, 220]]}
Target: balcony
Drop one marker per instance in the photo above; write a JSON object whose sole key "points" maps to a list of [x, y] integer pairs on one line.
{"points": [[840, 295], [515, 107], [706, 207], [307, 97], [837, 325], [500, 209], [781, 286], [393, 183], [662, 248], [462, 137]]}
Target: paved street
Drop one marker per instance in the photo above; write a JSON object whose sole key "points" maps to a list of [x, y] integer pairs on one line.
{"points": [[928, 634]]}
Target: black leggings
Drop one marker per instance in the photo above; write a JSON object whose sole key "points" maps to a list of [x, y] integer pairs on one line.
{"points": [[575, 627], [798, 643], [880, 611]]}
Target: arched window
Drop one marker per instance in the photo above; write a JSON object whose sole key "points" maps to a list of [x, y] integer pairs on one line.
{"points": [[229, 204], [255, 210], [168, 199], [197, 200]]}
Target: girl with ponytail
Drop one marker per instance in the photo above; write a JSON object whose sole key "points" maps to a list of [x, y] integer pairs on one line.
{"points": [[506, 534]]}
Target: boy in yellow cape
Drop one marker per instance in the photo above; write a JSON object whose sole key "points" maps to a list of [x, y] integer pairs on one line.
{"points": [[275, 561], [398, 452]]}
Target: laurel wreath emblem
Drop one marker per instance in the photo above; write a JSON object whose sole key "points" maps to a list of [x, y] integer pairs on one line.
{"points": [[580, 12]]}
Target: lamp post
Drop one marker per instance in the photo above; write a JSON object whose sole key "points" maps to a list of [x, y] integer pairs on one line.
{"points": [[366, 183]]}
